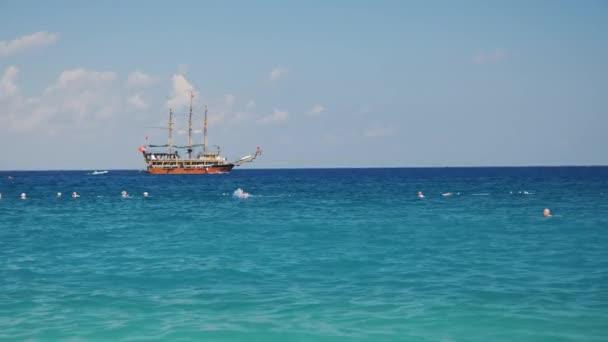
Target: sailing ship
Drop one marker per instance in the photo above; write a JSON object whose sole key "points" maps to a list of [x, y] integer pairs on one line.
{"points": [[208, 160]]}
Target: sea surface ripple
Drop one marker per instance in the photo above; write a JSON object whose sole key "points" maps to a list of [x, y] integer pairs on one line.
{"points": [[313, 255]]}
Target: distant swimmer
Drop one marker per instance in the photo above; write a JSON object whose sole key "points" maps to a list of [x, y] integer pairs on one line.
{"points": [[145, 194], [547, 212], [75, 195], [420, 194], [59, 195], [239, 193], [23, 196], [10, 177], [124, 194], [447, 194]]}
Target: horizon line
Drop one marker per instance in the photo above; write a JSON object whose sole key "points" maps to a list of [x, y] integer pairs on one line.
{"points": [[341, 167]]}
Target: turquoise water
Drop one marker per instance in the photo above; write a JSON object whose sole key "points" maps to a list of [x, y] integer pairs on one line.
{"points": [[313, 255]]}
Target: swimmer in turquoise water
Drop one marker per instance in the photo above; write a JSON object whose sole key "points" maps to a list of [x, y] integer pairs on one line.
{"points": [[420, 194], [239, 193], [547, 212]]}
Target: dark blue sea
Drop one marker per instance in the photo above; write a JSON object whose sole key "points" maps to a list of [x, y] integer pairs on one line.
{"points": [[312, 255]]}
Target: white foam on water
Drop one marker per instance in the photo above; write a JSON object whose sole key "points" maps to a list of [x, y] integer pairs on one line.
{"points": [[521, 192], [239, 193]]}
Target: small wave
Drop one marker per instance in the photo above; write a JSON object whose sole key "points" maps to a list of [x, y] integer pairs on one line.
{"points": [[521, 192], [273, 196], [481, 194]]}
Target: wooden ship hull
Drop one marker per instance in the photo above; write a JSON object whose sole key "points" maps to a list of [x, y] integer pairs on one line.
{"points": [[191, 171]]}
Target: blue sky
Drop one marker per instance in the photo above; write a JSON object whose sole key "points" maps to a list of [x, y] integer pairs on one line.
{"points": [[315, 83]]}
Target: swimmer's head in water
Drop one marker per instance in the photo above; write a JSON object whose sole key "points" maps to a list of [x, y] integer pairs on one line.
{"points": [[547, 212], [59, 194], [145, 194], [23, 196], [123, 194]]}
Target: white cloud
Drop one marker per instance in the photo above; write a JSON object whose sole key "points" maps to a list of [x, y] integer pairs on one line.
{"points": [[78, 96], [139, 79], [137, 102], [277, 73], [77, 77], [28, 42], [276, 116], [379, 131], [225, 109], [240, 116], [489, 57], [83, 94], [250, 104], [316, 110], [180, 93], [8, 87]]}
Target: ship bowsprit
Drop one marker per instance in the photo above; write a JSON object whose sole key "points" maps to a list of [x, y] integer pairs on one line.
{"points": [[248, 158]]}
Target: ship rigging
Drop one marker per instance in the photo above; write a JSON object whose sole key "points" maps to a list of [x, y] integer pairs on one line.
{"points": [[207, 161]]}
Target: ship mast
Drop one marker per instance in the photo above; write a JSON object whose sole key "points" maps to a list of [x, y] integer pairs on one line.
{"points": [[170, 142], [205, 131], [190, 127]]}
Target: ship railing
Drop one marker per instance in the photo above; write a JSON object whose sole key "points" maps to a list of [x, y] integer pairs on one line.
{"points": [[189, 163]]}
